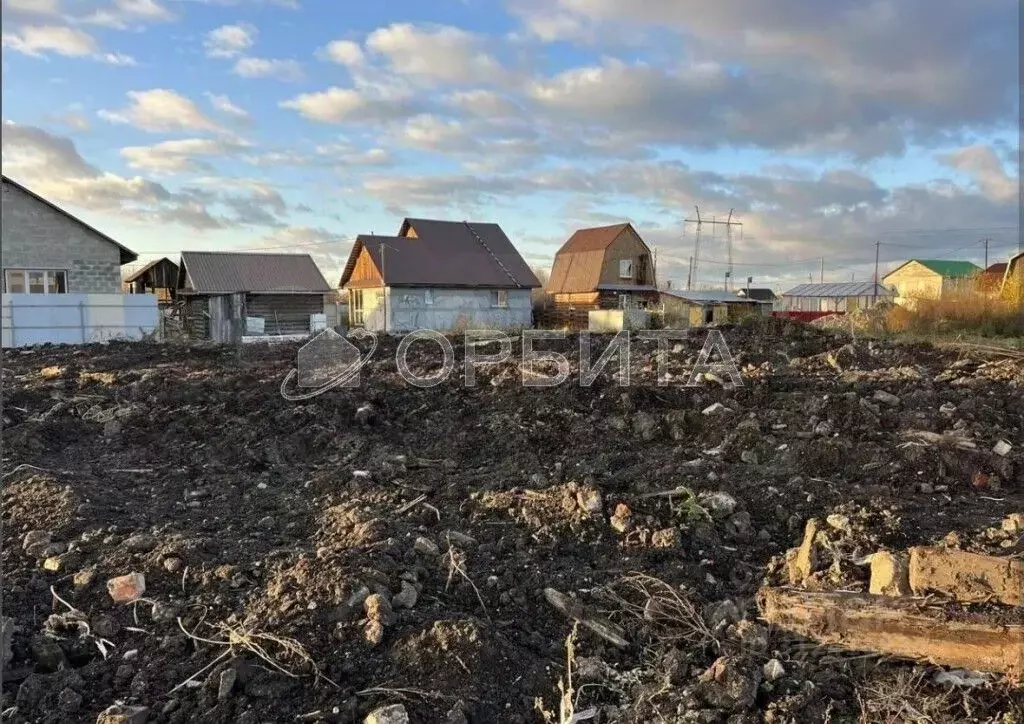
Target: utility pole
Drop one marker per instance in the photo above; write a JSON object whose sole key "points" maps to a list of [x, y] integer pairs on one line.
{"points": [[985, 242], [689, 275], [874, 289]]}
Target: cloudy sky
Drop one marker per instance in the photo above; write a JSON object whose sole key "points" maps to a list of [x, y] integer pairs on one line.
{"points": [[298, 124]]}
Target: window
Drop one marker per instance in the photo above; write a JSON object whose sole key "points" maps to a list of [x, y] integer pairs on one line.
{"points": [[428, 296], [499, 298], [356, 305], [624, 301], [35, 281], [626, 268]]}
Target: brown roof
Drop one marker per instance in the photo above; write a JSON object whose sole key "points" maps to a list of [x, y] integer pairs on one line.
{"points": [[127, 255], [998, 269], [578, 263], [221, 272], [143, 270], [445, 254]]}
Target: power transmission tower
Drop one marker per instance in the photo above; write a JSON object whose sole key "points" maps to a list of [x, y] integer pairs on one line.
{"points": [[728, 224]]}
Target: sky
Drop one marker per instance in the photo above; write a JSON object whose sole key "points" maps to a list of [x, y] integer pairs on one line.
{"points": [[295, 125]]}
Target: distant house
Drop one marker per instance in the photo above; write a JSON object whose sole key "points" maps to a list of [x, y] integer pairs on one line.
{"points": [[157, 277], [839, 297], [441, 275], [46, 250], [277, 293], [930, 278], [1012, 287], [759, 294], [990, 281], [684, 308], [603, 268]]}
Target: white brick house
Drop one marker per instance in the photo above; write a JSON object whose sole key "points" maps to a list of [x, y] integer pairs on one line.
{"points": [[46, 250]]}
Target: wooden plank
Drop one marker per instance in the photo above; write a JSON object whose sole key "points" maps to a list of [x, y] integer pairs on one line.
{"points": [[898, 627], [967, 577]]}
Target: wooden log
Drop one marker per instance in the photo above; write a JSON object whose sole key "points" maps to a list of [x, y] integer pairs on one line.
{"points": [[967, 577], [898, 627]]}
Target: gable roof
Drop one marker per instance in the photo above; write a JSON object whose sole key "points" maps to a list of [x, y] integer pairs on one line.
{"points": [[579, 261], [997, 269], [710, 296], [942, 267], [223, 272], [839, 289], [445, 254], [127, 255], [143, 270]]}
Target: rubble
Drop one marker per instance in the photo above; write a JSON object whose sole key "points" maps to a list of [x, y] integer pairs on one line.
{"points": [[125, 589], [448, 546]]}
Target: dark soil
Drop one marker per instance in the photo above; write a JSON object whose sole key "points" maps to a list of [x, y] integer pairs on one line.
{"points": [[262, 524]]}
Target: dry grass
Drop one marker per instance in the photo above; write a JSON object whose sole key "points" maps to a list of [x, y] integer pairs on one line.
{"points": [[903, 698], [666, 610], [960, 311]]}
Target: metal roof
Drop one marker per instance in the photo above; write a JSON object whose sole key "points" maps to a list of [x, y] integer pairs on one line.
{"points": [[839, 289], [223, 272], [761, 294], [127, 255], [445, 254], [709, 296]]}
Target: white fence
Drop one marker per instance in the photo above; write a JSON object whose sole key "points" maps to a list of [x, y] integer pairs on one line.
{"points": [[30, 319]]}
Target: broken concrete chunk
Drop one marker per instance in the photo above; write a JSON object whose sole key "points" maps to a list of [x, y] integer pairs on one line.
{"points": [[123, 714], [391, 714], [802, 563], [715, 409], [226, 683], [890, 574], [886, 398], [967, 577], [773, 670], [125, 589], [1002, 448], [426, 547]]}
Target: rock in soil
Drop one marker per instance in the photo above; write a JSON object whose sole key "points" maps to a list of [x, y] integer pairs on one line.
{"points": [[393, 714], [123, 714]]}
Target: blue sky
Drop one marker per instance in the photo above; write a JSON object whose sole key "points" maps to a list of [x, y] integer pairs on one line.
{"points": [[298, 124]]}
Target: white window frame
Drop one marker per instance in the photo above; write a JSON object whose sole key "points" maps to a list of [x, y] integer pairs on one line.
{"points": [[356, 302], [499, 298], [625, 268], [48, 275], [428, 297]]}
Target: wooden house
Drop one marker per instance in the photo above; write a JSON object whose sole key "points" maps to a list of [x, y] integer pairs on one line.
{"points": [[157, 277]]}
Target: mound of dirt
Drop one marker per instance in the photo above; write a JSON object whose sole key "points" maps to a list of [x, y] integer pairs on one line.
{"points": [[390, 544]]}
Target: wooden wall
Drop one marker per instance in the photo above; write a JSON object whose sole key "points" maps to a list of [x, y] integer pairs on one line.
{"points": [[284, 313]]}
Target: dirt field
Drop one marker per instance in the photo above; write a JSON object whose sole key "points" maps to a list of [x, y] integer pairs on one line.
{"points": [[317, 560]]}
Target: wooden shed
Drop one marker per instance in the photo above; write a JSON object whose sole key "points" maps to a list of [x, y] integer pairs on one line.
{"points": [[224, 295], [157, 277]]}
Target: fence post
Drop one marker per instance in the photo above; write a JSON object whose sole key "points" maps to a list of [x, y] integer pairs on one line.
{"points": [[81, 318], [13, 343]]}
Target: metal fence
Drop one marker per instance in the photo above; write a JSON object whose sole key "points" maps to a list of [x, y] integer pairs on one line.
{"points": [[32, 319]]}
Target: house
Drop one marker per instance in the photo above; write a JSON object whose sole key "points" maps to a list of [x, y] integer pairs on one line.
{"points": [[831, 297], [990, 281], [441, 275], [226, 295], [603, 268], [157, 277], [929, 278], [46, 250], [685, 308]]}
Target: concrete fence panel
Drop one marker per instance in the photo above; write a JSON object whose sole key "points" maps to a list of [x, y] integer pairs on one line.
{"points": [[30, 319]]}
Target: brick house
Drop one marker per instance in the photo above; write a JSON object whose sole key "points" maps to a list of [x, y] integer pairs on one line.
{"points": [[46, 250], [603, 268]]}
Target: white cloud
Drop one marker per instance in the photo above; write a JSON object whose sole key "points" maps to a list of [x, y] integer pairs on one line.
{"points": [[118, 59], [42, 8], [287, 70], [161, 109], [435, 53], [223, 104], [986, 169], [229, 41], [344, 52], [343, 105], [38, 40], [177, 155], [122, 14]]}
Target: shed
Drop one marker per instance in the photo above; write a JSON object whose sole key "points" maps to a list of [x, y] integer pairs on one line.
{"points": [[222, 291], [685, 308], [1013, 280], [441, 275], [930, 278], [604, 267], [835, 297], [158, 277]]}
